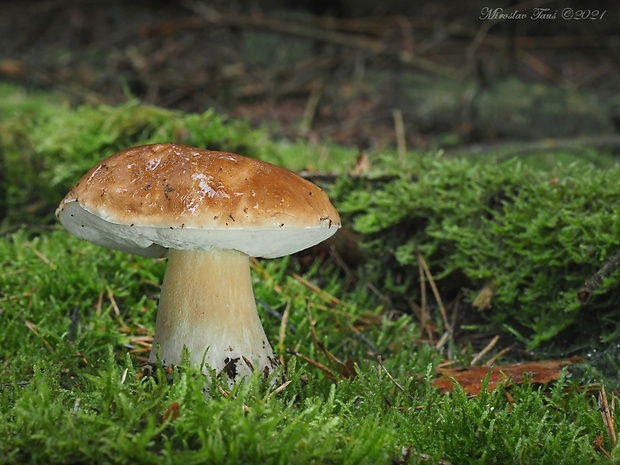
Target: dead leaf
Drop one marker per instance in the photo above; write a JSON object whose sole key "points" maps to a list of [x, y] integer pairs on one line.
{"points": [[362, 165], [172, 413], [12, 68], [471, 378], [598, 443], [347, 370]]}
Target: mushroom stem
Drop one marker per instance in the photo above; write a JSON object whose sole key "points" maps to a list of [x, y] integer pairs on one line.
{"points": [[207, 305]]}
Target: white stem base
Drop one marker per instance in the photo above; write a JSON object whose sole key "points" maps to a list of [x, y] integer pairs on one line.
{"points": [[207, 305]]}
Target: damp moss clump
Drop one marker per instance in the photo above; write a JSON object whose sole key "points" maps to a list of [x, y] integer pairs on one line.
{"points": [[532, 236]]}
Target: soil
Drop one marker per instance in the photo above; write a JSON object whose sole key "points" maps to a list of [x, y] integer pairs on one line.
{"points": [[363, 74]]}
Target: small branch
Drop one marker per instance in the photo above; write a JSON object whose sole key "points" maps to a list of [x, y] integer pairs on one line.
{"points": [[431, 281], [323, 295], [344, 370], [396, 383], [209, 17], [311, 109], [401, 140], [117, 311], [328, 373], [522, 149], [423, 307], [279, 389], [282, 334], [607, 415], [32, 327], [484, 351], [490, 362], [592, 284], [44, 259]]}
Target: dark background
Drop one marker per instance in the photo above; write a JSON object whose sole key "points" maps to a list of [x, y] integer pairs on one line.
{"points": [[342, 70]]}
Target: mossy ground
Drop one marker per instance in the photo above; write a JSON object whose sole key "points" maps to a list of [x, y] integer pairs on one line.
{"points": [[76, 318]]}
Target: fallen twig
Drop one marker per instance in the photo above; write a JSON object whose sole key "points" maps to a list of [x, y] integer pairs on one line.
{"points": [[484, 351], [279, 389], [282, 334], [490, 362], [396, 383], [431, 281], [314, 363], [346, 369], [511, 149], [595, 281], [209, 17], [32, 327], [607, 415], [325, 296]]}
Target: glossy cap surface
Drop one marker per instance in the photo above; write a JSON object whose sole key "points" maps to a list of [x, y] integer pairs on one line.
{"points": [[147, 199]]}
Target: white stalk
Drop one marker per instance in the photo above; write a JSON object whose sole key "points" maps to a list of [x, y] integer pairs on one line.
{"points": [[207, 305]]}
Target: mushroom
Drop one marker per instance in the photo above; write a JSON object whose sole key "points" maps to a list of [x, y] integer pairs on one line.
{"points": [[208, 212]]}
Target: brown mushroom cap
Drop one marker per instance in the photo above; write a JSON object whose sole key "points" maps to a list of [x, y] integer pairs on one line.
{"points": [[147, 199]]}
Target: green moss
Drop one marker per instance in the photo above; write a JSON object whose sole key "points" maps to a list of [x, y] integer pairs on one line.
{"points": [[538, 235], [538, 231], [71, 312]]}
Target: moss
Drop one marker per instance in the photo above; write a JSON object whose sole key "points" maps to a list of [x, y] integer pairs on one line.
{"points": [[537, 235], [75, 316], [535, 228]]}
